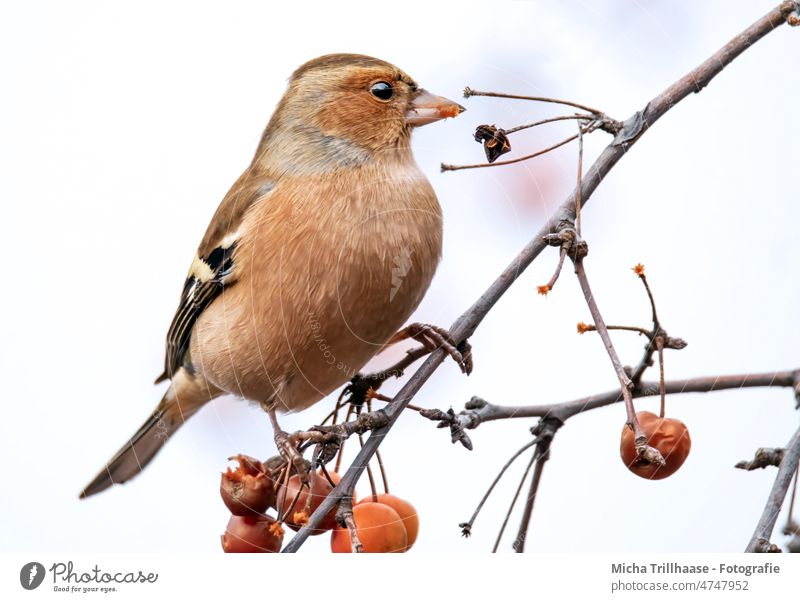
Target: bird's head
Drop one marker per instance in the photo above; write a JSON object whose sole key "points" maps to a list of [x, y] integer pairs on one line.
{"points": [[356, 105]]}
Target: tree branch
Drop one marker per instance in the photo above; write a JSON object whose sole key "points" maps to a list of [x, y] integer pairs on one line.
{"points": [[791, 457], [478, 411], [632, 130]]}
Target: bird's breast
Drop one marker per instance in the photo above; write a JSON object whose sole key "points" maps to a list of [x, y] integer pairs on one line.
{"points": [[330, 268]]}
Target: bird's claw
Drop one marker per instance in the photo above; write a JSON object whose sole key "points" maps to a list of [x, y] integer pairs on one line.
{"points": [[465, 349], [328, 446], [287, 448], [435, 337]]}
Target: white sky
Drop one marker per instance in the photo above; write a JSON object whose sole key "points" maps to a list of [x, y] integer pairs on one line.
{"points": [[122, 128]]}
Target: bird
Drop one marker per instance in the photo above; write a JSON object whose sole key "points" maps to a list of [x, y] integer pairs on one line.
{"points": [[314, 260]]}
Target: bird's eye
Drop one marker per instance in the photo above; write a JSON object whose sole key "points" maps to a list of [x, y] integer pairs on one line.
{"points": [[382, 90]]}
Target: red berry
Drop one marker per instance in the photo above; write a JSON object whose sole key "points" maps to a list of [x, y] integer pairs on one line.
{"points": [[246, 490], [668, 435], [297, 502], [252, 534]]}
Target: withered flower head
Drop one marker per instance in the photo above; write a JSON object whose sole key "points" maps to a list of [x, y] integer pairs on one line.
{"points": [[495, 142]]}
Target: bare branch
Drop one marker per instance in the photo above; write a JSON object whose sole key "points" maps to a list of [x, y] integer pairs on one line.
{"points": [[478, 411], [466, 324], [788, 466], [468, 92], [578, 116], [545, 431]]}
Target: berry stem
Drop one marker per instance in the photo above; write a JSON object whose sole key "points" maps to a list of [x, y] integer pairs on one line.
{"points": [[370, 476], [341, 447], [378, 456], [644, 451], [662, 387], [467, 527], [514, 501]]}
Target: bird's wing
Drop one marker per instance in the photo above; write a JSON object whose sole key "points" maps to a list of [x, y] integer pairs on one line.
{"points": [[213, 268]]}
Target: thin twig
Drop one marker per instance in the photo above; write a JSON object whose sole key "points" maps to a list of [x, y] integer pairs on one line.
{"points": [[470, 92], [447, 167], [378, 456], [661, 389], [657, 331], [644, 452], [633, 129], [466, 528], [341, 447], [643, 278], [522, 534], [549, 120], [591, 328], [579, 185], [514, 501], [545, 430], [373, 491], [543, 290]]}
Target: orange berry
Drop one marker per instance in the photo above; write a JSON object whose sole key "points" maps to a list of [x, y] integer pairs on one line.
{"points": [[380, 529], [668, 435], [407, 512]]}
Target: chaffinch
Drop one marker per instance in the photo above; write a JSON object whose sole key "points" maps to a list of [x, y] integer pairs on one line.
{"points": [[318, 254]]}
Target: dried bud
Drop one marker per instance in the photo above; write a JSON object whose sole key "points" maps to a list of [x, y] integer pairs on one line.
{"points": [[638, 269], [495, 142], [246, 490], [582, 327], [544, 289]]}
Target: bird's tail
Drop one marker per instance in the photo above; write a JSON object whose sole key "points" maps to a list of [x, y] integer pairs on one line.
{"points": [[185, 396]]}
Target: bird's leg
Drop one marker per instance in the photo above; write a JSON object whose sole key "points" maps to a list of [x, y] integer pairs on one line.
{"points": [[434, 337], [287, 448]]}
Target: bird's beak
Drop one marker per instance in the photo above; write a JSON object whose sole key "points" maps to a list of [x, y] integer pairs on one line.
{"points": [[427, 108]]}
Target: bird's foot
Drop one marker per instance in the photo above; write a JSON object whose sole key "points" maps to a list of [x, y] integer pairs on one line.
{"points": [[435, 337], [287, 448], [330, 438]]}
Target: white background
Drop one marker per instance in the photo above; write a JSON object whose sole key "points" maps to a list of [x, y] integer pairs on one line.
{"points": [[122, 126]]}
